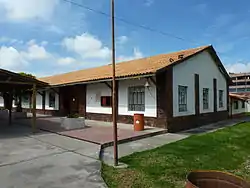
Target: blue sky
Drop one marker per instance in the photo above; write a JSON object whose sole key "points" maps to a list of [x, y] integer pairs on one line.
{"points": [[46, 37]]}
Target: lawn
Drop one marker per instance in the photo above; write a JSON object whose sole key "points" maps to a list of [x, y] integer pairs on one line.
{"points": [[167, 166]]}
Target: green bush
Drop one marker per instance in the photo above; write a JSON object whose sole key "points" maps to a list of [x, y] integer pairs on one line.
{"points": [[27, 75]]}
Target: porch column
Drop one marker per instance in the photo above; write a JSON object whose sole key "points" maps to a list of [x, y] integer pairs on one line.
{"points": [[62, 107], [10, 99], [34, 109], [20, 100], [81, 94], [164, 86], [43, 101]]}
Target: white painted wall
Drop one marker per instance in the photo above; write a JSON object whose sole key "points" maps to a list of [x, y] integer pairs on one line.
{"points": [[1, 102], [150, 97], [24, 104], [95, 91], [39, 101], [47, 101], [93, 98], [183, 74], [248, 106]]}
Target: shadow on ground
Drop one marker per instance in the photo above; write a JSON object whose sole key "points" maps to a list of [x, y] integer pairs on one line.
{"points": [[45, 159]]}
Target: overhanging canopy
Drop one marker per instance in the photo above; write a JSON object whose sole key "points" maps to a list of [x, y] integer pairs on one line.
{"points": [[10, 81]]}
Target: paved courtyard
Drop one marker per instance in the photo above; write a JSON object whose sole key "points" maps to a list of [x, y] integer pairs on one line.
{"points": [[95, 131], [46, 160]]}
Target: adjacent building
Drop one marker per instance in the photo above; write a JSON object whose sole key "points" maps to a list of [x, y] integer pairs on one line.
{"points": [[175, 91], [240, 83], [238, 105]]}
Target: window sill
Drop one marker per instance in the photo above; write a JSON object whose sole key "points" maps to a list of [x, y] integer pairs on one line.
{"points": [[136, 112], [205, 111], [186, 113]]}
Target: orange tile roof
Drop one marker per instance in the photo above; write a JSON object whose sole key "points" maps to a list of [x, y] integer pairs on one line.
{"points": [[144, 66], [237, 96]]}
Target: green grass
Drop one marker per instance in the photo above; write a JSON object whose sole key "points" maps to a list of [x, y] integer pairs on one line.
{"points": [[167, 166]]}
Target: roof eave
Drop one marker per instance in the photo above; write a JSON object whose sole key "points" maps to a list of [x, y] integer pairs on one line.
{"points": [[104, 80]]}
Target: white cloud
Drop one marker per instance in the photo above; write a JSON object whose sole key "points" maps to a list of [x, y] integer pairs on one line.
{"points": [[66, 61], [31, 42], [4, 39], [44, 43], [87, 46], [54, 29], [148, 3], [36, 52], [122, 40], [21, 10], [10, 58], [137, 54], [10, 40], [238, 67]]}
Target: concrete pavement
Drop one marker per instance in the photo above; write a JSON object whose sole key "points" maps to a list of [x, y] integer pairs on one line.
{"points": [[140, 145], [47, 160]]}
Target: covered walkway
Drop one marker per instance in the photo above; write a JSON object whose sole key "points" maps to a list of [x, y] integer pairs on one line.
{"points": [[12, 85]]}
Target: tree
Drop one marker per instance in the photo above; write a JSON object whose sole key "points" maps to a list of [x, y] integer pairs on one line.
{"points": [[27, 75]]}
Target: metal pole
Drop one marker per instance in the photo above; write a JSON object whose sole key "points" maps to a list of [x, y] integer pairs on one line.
{"points": [[114, 105], [34, 109]]}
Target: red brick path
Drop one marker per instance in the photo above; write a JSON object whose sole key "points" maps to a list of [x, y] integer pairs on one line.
{"points": [[95, 134]]}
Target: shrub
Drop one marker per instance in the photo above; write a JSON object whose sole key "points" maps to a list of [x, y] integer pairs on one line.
{"points": [[27, 75]]}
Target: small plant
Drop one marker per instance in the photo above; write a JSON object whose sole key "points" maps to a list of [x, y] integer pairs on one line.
{"points": [[27, 75], [73, 116]]}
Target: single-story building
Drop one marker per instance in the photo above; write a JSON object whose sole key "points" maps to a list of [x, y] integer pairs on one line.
{"points": [[238, 105], [176, 91], [246, 96]]}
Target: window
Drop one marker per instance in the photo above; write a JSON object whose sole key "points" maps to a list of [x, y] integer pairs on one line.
{"points": [[243, 104], [241, 90], [15, 100], [205, 98], [236, 106], [26, 99], [106, 101], [182, 98], [136, 98], [221, 93], [52, 100], [232, 90]]}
